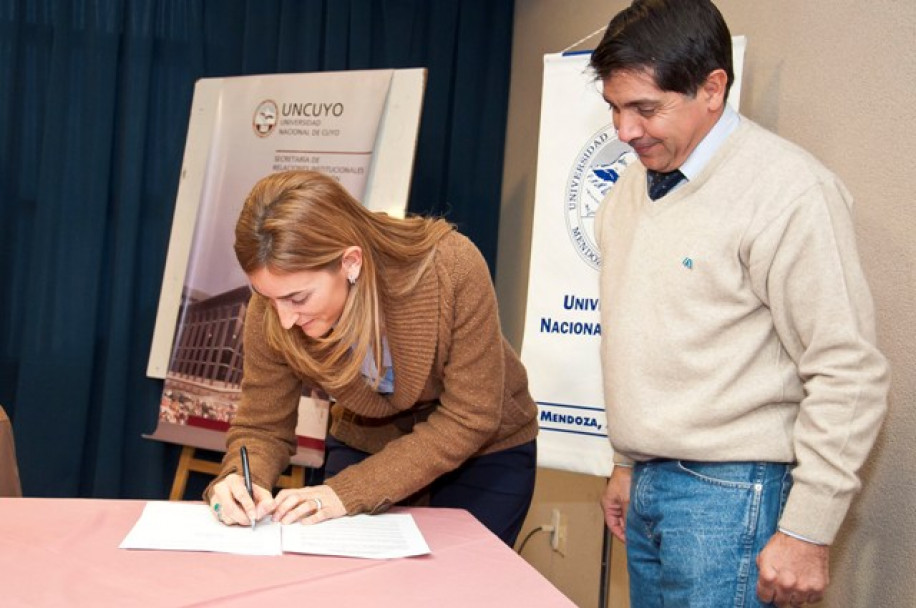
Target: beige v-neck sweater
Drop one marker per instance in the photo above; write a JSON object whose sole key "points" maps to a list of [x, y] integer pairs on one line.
{"points": [[452, 366], [737, 324]]}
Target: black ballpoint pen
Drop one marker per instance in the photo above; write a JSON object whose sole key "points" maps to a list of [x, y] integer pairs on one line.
{"points": [[246, 472]]}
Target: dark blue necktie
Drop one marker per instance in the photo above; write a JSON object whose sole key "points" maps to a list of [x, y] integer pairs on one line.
{"points": [[661, 183]]}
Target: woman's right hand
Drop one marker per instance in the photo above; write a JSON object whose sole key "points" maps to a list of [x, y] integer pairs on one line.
{"points": [[231, 504]]}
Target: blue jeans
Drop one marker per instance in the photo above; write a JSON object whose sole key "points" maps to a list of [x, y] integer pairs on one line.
{"points": [[694, 530], [495, 488]]}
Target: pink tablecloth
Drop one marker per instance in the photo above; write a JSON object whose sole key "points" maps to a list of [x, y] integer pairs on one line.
{"points": [[64, 552]]}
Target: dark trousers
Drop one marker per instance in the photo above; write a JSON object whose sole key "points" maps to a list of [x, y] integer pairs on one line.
{"points": [[495, 488]]}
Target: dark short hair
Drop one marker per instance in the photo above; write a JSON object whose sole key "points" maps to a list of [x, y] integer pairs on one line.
{"points": [[680, 42]]}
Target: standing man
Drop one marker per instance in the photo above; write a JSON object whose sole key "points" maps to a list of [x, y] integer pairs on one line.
{"points": [[742, 382]]}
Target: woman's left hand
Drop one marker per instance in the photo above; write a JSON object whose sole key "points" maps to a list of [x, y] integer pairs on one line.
{"points": [[308, 505]]}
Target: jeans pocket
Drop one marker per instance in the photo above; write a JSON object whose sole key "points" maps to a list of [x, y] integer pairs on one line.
{"points": [[737, 475]]}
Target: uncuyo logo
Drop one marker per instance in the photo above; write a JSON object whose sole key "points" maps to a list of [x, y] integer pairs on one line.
{"points": [[265, 118], [595, 170]]}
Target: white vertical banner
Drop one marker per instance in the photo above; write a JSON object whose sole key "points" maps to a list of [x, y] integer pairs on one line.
{"points": [[580, 159]]}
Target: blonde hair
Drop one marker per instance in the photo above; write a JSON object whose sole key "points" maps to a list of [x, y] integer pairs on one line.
{"points": [[303, 220]]}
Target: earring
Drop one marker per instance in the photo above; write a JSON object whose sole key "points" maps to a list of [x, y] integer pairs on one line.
{"points": [[352, 279]]}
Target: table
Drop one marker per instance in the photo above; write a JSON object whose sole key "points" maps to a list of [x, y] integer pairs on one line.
{"points": [[64, 552]]}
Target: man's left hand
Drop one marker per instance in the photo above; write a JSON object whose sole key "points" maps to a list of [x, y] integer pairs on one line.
{"points": [[793, 572]]}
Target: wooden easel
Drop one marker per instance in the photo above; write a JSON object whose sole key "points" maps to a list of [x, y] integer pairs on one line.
{"points": [[188, 462]]}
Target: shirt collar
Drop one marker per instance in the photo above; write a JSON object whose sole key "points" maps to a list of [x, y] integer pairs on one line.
{"points": [[710, 144]]}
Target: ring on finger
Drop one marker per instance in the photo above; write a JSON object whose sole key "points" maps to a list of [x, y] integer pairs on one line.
{"points": [[318, 505]]}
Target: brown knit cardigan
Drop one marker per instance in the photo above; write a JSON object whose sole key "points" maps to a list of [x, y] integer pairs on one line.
{"points": [[459, 390]]}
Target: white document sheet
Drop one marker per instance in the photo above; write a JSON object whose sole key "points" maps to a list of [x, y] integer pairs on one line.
{"points": [[177, 526], [374, 536]]}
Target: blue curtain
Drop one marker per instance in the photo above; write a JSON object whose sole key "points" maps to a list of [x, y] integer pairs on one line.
{"points": [[94, 102]]}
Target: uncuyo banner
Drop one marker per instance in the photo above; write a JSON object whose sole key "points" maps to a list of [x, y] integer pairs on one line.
{"points": [[255, 125], [580, 158]]}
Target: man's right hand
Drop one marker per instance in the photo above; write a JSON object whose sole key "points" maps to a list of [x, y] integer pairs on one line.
{"points": [[616, 501]]}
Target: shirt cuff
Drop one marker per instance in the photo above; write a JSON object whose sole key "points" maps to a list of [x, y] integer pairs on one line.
{"points": [[802, 538], [619, 460]]}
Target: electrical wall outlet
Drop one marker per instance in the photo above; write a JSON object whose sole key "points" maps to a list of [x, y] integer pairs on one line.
{"points": [[558, 532]]}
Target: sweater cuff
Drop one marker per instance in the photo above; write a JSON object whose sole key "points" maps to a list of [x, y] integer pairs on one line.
{"points": [[812, 516], [348, 489]]}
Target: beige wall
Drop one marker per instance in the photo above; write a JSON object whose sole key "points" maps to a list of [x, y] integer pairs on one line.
{"points": [[839, 78]]}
